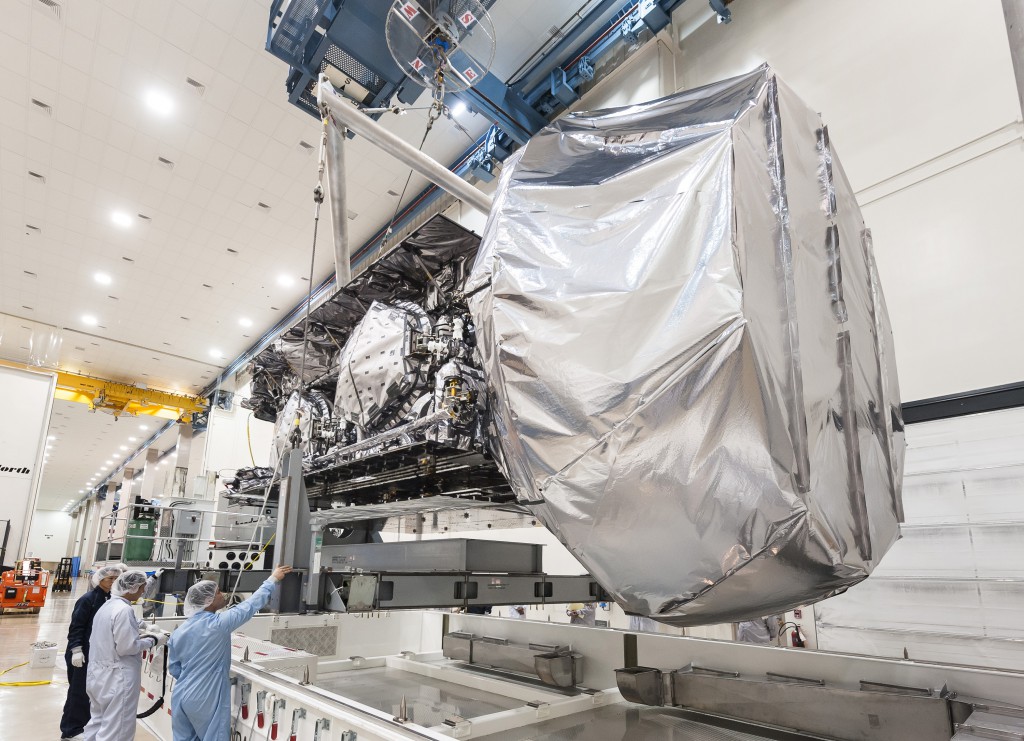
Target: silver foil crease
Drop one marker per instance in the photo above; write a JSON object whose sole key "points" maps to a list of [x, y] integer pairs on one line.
{"points": [[689, 356], [375, 371]]}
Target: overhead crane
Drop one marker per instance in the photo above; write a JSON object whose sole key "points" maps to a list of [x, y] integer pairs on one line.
{"points": [[118, 399]]}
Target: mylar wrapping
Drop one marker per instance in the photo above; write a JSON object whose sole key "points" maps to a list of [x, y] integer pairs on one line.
{"points": [[688, 354]]}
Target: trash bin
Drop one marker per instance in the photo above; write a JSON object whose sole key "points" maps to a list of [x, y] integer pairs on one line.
{"points": [[43, 656]]}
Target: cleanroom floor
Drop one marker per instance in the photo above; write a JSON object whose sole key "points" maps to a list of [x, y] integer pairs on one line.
{"points": [[34, 712]]}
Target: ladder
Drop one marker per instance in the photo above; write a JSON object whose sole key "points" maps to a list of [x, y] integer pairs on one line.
{"points": [[62, 580]]}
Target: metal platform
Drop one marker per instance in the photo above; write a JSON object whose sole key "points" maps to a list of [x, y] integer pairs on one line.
{"points": [[623, 722], [429, 701]]}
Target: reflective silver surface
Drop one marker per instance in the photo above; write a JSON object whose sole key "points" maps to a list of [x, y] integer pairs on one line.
{"points": [[624, 722], [375, 371], [689, 355], [429, 701]]}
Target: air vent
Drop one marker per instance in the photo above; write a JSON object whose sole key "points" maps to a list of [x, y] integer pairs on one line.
{"points": [[305, 146], [27, 307], [392, 193], [167, 343], [185, 318], [352, 215], [44, 107], [207, 285], [232, 251], [51, 5], [33, 227], [114, 297], [274, 308], [37, 176], [127, 259], [199, 87], [165, 162], [555, 32], [262, 205], [144, 217], [29, 273], [80, 349]]}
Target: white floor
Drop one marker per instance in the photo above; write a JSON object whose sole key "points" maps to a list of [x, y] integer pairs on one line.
{"points": [[34, 712]]}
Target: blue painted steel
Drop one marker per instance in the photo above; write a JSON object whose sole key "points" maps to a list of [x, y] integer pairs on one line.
{"points": [[496, 101], [568, 54]]}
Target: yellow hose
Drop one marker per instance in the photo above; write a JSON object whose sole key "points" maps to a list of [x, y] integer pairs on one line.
{"points": [[21, 684]]}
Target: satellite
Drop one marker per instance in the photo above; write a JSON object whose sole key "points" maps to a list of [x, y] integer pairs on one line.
{"points": [[445, 45]]}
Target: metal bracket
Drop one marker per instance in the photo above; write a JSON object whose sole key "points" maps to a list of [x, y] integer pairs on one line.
{"points": [[724, 14]]}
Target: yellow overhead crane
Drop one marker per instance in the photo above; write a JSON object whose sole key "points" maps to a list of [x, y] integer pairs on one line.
{"points": [[121, 398]]}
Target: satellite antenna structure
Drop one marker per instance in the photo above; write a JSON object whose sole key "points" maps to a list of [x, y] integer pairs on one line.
{"points": [[444, 45]]}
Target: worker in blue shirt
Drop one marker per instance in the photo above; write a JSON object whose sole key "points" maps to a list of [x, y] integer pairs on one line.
{"points": [[200, 659], [76, 707]]}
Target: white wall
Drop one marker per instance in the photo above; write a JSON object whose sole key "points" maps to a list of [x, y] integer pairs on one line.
{"points": [[48, 537], [905, 93], [953, 588]]}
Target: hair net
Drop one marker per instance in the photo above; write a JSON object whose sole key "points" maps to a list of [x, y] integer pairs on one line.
{"points": [[128, 582], [104, 571], [200, 596]]}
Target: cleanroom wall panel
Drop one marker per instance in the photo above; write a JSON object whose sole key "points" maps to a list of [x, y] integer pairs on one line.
{"points": [[953, 588], [28, 398], [929, 140]]}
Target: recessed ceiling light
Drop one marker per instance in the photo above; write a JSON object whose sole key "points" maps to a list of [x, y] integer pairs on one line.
{"points": [[132, 439], [81, 491], [143, 427], [159, 102], [245, 322], [215, 353], [122, 219], [124, 447], [102, 279], [51, 437], [285, 280], [459, 108], [90, 320]]}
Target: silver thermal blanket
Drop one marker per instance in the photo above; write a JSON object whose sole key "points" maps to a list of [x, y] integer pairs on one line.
{"points": [[688, 353]]}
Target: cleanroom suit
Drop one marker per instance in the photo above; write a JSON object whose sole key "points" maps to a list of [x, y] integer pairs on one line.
{"points": [[76, 707], [200, 661], [115, 672]]}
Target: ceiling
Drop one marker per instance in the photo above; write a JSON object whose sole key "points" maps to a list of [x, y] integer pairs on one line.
{"points": [[213, 198]]}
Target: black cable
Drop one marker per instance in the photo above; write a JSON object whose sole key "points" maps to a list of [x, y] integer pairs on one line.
{"points": [[431, 117]]}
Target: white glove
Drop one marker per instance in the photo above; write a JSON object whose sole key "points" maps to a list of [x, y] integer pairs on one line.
{"points": [[77, 657], [145, 627], [159, 637]]}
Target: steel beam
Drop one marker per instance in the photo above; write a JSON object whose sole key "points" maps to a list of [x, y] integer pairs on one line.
{"points": [[338, 198], [350, 117]]}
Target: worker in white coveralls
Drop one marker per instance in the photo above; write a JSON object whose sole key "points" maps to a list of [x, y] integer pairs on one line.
{"points": [[200, 659], [764, 631], [76, 707], [115, 662]]}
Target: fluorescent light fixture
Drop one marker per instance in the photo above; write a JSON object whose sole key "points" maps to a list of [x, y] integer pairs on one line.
{"points": [[159, 102], [102, 278], [459, 108], [245, 322], [122, 219], [215, 353], [285, 281], [90, 320], [51, 437], [81, 491]]}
